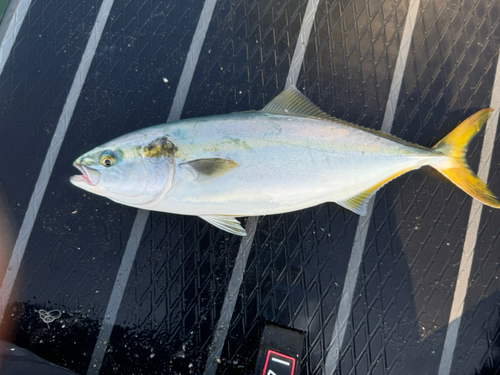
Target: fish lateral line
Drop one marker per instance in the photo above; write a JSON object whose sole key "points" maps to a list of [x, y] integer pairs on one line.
{"points": [[269, 174]]}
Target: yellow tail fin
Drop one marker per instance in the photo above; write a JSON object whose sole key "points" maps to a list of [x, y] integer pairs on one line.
{"points": [[457, 171]]}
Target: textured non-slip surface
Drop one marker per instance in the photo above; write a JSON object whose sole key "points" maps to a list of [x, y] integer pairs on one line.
{"points": [[298, 261]]}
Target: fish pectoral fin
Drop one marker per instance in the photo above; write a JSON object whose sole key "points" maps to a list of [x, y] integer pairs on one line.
{"points": [[205, 170], [227, 223], [292, 102]]}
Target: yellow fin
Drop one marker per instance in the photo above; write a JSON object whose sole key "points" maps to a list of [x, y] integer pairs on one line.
{"points": [[457, 171], [359, 202]]}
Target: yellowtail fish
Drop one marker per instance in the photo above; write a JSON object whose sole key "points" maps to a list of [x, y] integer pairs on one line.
{"points": [[286, 157]]}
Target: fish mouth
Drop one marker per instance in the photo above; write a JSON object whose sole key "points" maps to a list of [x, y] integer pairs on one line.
{"points": [[89, 176]]}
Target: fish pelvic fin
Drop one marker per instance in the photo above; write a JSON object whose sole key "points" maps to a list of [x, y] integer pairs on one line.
{"points": [[227, 223], [454, 145]]}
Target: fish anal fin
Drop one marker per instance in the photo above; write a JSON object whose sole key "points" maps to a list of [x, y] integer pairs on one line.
{"points": [[226, 223], [359, 202], [292, 102], [205, 170]]}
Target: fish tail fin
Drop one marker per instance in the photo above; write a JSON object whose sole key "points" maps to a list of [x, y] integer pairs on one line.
{"points": [[454, 145]]}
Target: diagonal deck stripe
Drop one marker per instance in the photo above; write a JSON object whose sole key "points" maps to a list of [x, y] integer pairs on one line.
{"points": [[191, 61], [50, 158], [117, 294], [232, 293], [300, 48], [142, 215], [351, 278], [345, 306], [471, 234], [237, 276], [9, 28]]}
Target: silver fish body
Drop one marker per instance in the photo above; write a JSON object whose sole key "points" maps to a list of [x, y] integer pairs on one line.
{"points": [[284, 158], [285, 163]]}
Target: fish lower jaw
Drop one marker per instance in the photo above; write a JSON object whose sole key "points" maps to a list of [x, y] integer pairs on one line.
{"points": [[81, 181], [88, 176]]}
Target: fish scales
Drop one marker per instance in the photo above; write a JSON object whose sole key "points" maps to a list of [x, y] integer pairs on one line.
{"points": [[287, 157], [307, 162]]}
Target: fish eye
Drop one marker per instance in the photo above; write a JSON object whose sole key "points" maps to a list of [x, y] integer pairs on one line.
{"points": [[107, 160]]}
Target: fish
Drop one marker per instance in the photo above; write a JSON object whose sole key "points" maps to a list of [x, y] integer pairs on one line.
{"points": [[286, 157]]}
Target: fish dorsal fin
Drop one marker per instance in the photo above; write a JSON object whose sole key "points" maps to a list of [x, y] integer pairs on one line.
{"points": [[227, 223], [205, 170], [293, 103], [359, 203]]}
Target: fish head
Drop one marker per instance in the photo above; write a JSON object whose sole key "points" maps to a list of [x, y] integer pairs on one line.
{"points": [[137, 174]]}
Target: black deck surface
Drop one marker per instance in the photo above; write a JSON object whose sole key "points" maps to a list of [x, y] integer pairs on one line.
{"points": [[298, 261]]}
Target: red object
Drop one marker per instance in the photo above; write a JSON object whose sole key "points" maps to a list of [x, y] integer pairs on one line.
{"points": [[278, 364]]}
